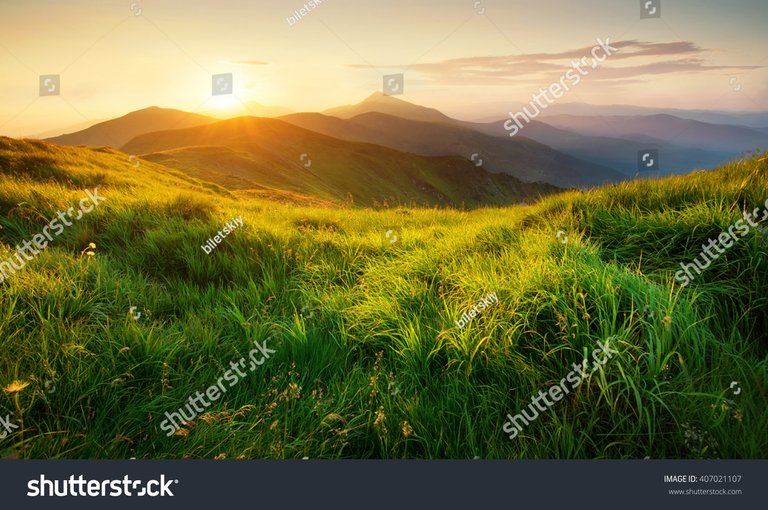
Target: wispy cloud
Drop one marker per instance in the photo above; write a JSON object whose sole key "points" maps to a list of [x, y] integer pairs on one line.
{"points": [[681, 57], [250, 63]]}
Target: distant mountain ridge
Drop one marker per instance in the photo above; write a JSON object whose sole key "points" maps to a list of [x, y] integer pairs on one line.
{"points": [[117, 132], [521, 157], [490, 111], [390, 105], [684, 144], [671, 129], [734, 118], [615, 152]]}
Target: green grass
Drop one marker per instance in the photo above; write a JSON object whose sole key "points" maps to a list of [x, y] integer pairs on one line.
{"points": [[379, 369]]}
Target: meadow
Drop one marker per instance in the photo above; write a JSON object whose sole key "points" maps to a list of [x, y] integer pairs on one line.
{"points": [[369, 362]]}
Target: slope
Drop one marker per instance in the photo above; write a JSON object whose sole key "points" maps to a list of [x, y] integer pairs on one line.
{"points": [[255, 153], [368, 361]]}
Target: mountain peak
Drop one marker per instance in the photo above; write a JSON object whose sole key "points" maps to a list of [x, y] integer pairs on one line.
{"points": [[378, 102], [376, 97]]}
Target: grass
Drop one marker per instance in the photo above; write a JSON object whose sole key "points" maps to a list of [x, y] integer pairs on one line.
{"points": [[369, 362]]}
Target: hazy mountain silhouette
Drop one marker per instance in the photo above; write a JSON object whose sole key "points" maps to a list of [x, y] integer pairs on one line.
{"points": [[390, 105], [616, 153], [491, 111], [671, 129], [734, 118], [117, 132]]}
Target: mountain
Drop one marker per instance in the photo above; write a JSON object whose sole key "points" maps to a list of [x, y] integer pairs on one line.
{"points": [[671, 129], [379, 103], [251, 153], [736, 118], [519, 156], [684, 143], [490, 111], [117, 132], [616, 153]]}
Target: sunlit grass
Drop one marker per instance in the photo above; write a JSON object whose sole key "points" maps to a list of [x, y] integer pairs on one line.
{"points": [[369, 362]]}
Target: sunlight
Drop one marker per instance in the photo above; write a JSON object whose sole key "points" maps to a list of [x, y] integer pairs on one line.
{"points": [[224, 105]]}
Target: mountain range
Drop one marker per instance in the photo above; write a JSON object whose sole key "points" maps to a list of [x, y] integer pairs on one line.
{"points": [[521, 157], [386, 150], [670, 129], [487, 112], [617, 153]]}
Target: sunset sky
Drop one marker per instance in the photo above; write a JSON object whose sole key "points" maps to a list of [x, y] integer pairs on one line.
{"points": [[701, 54]]}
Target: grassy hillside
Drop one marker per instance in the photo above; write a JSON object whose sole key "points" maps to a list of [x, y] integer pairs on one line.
{"points": [[256, 153], [368, 361]]}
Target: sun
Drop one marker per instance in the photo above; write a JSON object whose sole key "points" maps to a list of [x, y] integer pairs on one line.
{"points": [[225, 104]]}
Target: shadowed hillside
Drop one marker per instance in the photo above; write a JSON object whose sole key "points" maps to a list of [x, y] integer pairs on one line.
{"points": [[255, 153]]}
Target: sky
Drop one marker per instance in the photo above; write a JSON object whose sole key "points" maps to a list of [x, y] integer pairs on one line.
{"points": [[464, 57]]}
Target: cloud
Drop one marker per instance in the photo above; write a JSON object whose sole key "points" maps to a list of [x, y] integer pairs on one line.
{"points": [[668, 67], [250, 62], [640, 59]]}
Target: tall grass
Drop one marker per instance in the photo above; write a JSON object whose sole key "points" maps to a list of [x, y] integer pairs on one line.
{"points": [[369, 362]]}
